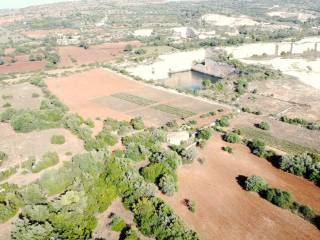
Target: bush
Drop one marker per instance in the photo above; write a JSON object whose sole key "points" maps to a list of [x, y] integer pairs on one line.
{"points": [[223, 122], [168, 185], [263, 126], [204, 134], [258, 148], [49, 159], [306, 212], [227, 149], [255, 184], [305, 164], [3, 157], [191, 205], [137, 123], [57, 139], [279, 198], [231, 138], [117, 224]]}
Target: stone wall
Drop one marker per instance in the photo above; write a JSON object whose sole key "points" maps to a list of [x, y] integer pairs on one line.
{"points": [[214, 68]]}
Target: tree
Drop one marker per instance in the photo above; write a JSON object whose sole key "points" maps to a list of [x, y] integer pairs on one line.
{"points": [[137, 123], [204, 134], [168, 185], [278, 197], [231, 138], [263, 126], [255, 184]]}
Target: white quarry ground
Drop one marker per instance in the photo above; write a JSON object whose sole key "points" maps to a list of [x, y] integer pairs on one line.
{"points": [[173, 62], [306, 71]]}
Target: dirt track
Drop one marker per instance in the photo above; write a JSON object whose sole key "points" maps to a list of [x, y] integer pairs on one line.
{"points": [[225, 211]]}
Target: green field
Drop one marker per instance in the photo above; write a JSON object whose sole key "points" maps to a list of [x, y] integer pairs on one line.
{"points": [[281, 144]]}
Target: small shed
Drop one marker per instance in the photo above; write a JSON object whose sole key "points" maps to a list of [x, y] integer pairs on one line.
{"points": [[175, 138]]}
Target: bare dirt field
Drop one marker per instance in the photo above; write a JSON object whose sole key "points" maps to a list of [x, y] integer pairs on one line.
{"points": [[10, 19], [225, 211], [284, 97], [99, 53], [281, 130], [22, 65], [20, 146], [44, 33], [96, 92], [20, 96]]}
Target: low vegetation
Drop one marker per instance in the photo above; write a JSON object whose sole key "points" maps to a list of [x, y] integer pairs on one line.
{"points": [[3, 157], [305, 164], [280, 198], [302, 122], [58, 139]]}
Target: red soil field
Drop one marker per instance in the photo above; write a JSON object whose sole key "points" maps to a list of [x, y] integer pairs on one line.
{"points": [[97, 53], [88, 93], [22, 65], [10, 19], [78, 91], [225, 211], [43, 33]]}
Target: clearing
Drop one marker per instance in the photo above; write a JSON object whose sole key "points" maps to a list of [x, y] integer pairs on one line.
{"points": [[225, 211], [102, 93], [72, 55]]}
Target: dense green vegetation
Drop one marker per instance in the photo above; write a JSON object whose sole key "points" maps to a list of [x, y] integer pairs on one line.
{"points": [[263, 126], [302, 122], [280, 198], [231, 137], [305, 164], [117, 224]]}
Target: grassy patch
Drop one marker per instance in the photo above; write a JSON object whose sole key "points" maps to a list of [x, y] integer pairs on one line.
{"points": [[174, 110], [134, 99], [278, 143], [117, 224], [8, 172], [49, 159], [58, 139]]}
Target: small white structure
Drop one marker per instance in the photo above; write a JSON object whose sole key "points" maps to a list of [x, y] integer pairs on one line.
{"points": [[185, 32], [176, 138], [145, 32]]}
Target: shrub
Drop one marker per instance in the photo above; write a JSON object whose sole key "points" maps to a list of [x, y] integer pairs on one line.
{"points": [[231, 138], [191, 205], [6, 105], [278, 197], [3, 157], [258, 148], [35, 95], [57, 139], [137, 123], [305, 164], [255, 184], [227, 149], [263, 126], [204, 134], [56, 181], [49, 159], [306, 212], [117, 224], [168, 185], [223, 122]]}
